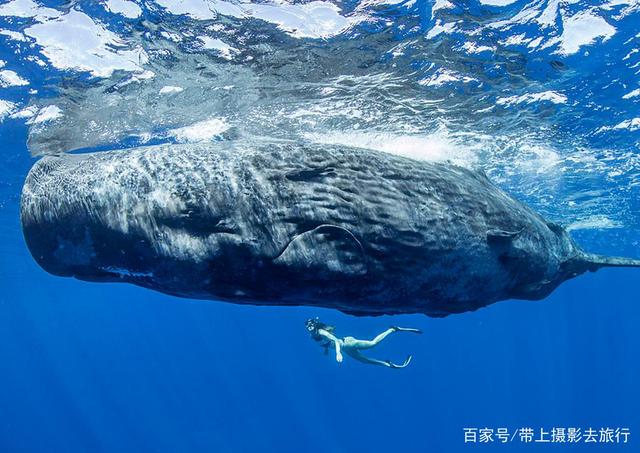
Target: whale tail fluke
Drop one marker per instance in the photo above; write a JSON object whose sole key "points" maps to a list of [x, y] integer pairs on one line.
{"points": [[594, 262]]}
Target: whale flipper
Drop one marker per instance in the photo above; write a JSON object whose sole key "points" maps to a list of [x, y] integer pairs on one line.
{"points": [[501, 236], [507, 247], [324, 252]]}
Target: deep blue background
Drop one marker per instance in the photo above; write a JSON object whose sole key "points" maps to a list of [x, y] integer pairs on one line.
{"points": [[114, 368]]}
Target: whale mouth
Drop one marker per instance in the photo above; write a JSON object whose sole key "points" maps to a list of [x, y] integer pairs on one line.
{"points": [[69, 249], [68, 231]]}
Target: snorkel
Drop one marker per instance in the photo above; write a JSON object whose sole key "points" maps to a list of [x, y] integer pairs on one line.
{"points": [[312, 325]]}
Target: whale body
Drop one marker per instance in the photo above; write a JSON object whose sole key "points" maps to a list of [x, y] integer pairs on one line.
{"points": [[282, 223]]}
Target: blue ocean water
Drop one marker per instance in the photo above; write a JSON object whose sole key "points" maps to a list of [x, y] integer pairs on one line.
{"points": [[544, 96]]}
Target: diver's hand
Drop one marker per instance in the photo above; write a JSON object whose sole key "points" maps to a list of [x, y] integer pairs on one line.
{"points": [[405, 329], [339, 357]]}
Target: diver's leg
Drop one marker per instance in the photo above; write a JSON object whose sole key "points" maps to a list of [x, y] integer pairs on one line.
{"points": [[361, 358], [368, 344]]}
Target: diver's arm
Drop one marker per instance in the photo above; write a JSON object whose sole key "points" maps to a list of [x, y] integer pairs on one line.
{"points": [[336, 342], [338, 351]]}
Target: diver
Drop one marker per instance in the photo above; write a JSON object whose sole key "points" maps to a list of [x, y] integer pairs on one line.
{"points": [[323, 334]]}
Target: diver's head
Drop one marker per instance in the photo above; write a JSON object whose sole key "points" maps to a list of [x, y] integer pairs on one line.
{"points": [[313, 324]]}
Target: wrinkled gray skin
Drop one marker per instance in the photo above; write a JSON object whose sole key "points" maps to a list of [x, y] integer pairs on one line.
{"points": [[364, 232]]}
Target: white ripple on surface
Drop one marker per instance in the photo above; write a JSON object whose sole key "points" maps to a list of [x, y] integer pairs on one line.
{"points": [[445, 76], [223, 49], [10, 78], [75, 41], [537, 159], [45, 114], [497, 2], [126, 8], [16, 36], [432, 147], [201, 131], [168, 89], [529, 98], [317, 19], [6, 108], [27, 8], [595, 222], [26, 112], [632, 124], [632, 94], [583, 29], [471, 47]]}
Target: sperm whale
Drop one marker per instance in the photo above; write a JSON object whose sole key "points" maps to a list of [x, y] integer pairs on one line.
{"points": [[281, 223]]}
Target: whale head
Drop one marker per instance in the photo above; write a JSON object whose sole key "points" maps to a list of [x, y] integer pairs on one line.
{"points": [[120, 227]]}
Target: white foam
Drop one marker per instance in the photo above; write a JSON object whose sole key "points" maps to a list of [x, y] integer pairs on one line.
{"points": [[516, 40], [26, 112], [11, 79], [200, 132], [445, 76], [632, 124], [440, 28], [36, 60], [175, 37], [75, 41], [497, 2], [595, 222], [126, 8], [529, 98], [441, 5], [224, 50], [48, 113], [632, 94], [537, 159], [379, 2], [612, 3], [535, 43], [144, 75], [550, 14], [6, 108], [471, 47], [27, 8], [16, 36], [631, 6], [196, 9], [583, 29], [316, 19], [311, 20], [167, 89], [434, 147], [527, 14]]}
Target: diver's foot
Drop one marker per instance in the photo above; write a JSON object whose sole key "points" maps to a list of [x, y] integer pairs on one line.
{"points": [[405, 329], [396, 366]]}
